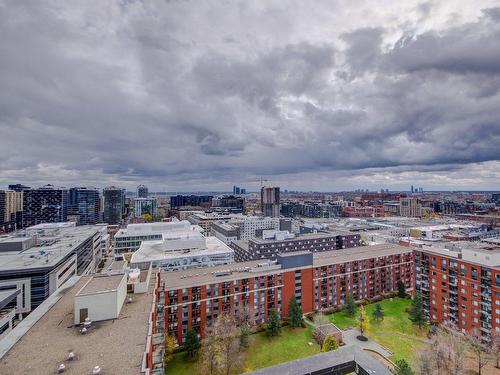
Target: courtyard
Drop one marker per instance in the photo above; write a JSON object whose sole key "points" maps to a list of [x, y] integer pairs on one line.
{"points": [[396, 333]]}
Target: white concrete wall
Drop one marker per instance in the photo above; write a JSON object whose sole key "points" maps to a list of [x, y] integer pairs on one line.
{"points": [[121, 295], [100, 306]]}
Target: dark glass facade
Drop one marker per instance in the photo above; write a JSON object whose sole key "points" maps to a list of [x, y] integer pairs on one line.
{"points": [[114, 205], [190, 200], [85, 203], [45, 205]]}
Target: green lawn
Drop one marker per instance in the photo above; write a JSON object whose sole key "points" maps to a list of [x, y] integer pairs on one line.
{"points": [[291, 344], [262, 352], [396, 332], [181, 365]]}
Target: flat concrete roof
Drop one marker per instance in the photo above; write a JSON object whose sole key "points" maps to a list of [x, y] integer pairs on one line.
{"points": [[101, 284], [203, 276], [51, 249], [117, 346]]}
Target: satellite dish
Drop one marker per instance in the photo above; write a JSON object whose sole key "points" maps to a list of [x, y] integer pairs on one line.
{"points": [[96, 370]]}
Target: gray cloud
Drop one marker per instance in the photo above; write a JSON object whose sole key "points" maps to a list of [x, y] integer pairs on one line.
{"points": [[184, 96]]}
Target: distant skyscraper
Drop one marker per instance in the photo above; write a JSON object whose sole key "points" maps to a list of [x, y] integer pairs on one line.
{"points": [[84, 203], [2, 208], [45, 205], [142, 191], [270, 201], [13, 214], [190, 200], [18, 187], [412, 188], [114, 204], [144, 206], [243, 191]]}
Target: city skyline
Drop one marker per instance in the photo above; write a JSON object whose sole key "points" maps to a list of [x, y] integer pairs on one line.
{"points": [[183, 96]]}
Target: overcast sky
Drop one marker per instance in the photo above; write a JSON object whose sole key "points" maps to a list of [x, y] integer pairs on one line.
{"points": [[200, 95]]}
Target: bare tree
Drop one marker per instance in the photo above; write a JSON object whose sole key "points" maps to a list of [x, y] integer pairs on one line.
{"points": [[479, 350], [495, 348], [426, 363], [221, 346], [444, 356]]}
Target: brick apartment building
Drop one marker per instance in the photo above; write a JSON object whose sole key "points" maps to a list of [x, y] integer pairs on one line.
{"points": [[249, 290], [460, 285], [259, 248]]}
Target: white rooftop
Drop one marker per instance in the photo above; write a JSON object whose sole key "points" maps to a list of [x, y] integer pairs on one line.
{"points": [[157, 250], [161, 227]]}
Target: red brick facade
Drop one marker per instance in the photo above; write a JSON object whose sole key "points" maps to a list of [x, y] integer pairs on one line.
{"points": [[251, 298], [460, 294]]}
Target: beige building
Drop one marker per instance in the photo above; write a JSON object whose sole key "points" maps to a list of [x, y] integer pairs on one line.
{"points": [[410, 207], [13, 204]]}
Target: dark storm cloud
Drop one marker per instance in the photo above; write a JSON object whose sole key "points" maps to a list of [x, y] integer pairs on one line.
{"points": [[185, 94]]}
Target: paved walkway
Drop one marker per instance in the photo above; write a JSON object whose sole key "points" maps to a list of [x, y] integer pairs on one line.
{"points": [[349, 337]]}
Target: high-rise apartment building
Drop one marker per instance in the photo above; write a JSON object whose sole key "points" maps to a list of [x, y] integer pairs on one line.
{"points": [[13, 213], [114, 204], [11, 209], [84, 203], [144, 206], [410, 207], [460, 286], [249, 290], [142, 191], [2, 208], [270, 201], [47, 204]]}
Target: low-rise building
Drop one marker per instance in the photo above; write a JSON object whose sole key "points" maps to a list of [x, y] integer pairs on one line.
{"points": [[243, 228], [206, 220], [260, 248], [129, 239], [181, 251]]}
